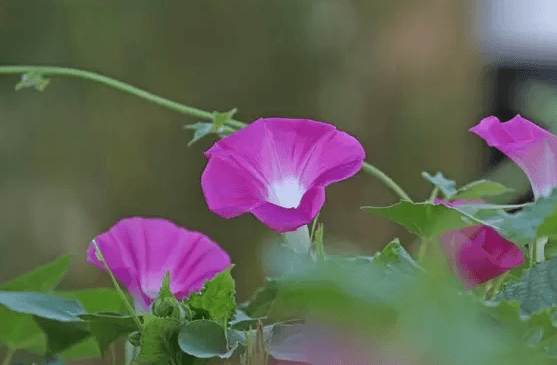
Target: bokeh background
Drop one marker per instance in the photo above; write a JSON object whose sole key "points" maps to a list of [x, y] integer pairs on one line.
{"points": [[407, 78]]}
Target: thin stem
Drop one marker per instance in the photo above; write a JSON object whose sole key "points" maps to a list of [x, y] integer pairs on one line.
{"points": [[423, 249], [531, 254], [167, 103], [117, 286], [372, 170], [433, 194], [497, 285], [540, 249], [87, 75], [9, 354]]}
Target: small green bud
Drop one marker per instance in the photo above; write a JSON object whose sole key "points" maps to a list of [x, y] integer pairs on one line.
{"points": [[164, 307]]}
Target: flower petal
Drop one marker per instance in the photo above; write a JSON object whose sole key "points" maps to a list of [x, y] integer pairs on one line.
{"points": [[479, 254], [271, 167], [532, 148], [140, 251]]}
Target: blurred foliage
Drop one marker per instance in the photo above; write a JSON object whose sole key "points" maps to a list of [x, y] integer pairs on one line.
{"points": [[79, 156]]}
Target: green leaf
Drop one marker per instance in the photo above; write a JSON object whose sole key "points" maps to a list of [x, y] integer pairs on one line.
{"points": [[32, 79], [92, 300], [216, 299], [108, 327], [447, 187], [534, 220], [42, 305], [481, 188], [202, 129], [62, 335], [220, 119], [260, 302], [58, 318], [537, 328], [156, 339], [204, 339], [537, 290], [424, 219], [20, 330]]}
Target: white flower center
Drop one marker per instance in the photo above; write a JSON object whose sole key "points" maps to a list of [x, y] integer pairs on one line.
{"points": [[286, 193]]}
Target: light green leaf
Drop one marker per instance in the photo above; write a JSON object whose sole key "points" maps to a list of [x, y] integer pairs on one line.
{"points": [[537, 290], [42, 305], [156, 345], [260, 302], [32, 79], [204, 339], [447, 187], [424, 219], [534, 220], [202, 129], [216, 299], [481, 188]]}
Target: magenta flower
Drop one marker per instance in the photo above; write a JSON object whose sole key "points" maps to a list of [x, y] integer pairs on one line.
{"points": [[277, 169], [532, 148], [478, 253], [140, 251]]}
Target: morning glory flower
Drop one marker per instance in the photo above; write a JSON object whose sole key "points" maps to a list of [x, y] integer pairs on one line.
{"points": [[532, 148], [478, 253], [139, 251], [277, 169]]}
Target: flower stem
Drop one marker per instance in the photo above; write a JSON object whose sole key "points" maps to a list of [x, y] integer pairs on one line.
{"points": [[423, 249], [540, 249], [115, 282], [169, 104], [372, 170], [9, 354]]}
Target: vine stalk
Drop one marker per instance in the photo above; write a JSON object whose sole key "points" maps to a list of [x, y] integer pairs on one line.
{"points": [[169, 104]]}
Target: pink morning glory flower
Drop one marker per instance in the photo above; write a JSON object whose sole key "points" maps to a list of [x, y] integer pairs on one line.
{"points": [[277, 169], [478, 253], [140, 251], [532, 148]]}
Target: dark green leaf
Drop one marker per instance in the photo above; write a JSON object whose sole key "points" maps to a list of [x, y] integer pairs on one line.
{"points": [[481, 188], [92, 300], [205, 339], [447, 187], [20, 330], [108, 327], [62, 335]]}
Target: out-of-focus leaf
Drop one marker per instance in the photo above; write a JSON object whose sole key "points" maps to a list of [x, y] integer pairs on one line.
{"points": [[481, 188], [447, 187], [537, 290], [32, 79], [424, 219], [260, 302], [20, 330]]}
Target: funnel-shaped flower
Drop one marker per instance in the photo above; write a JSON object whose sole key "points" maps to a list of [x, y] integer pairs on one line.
{"points": [[140, 251], [478, 253], [277, 169], [532, 148]]}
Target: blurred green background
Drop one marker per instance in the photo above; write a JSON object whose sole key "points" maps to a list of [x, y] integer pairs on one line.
{"points": [[401, 76]]}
